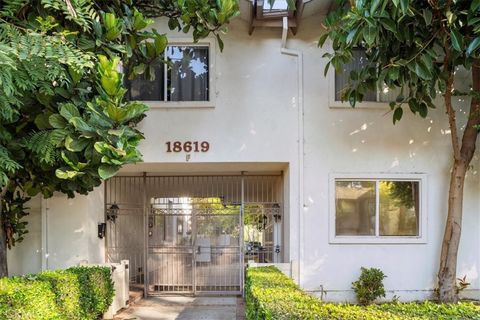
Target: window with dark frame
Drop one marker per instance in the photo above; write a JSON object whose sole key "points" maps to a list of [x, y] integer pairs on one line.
{"points": [[359, 62], [184, 78]]}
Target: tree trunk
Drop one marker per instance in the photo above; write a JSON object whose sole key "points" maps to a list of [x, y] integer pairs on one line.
{"points": [[447, 274], [3, 241], [448, 261]]}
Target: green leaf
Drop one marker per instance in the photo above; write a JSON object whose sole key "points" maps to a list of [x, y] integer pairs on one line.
{"points": [[369, 35], [75, 145], [80, 124], [69, 110], [57, 121], [67, 174], [41, 121], [457, 40], [220, 42], [422, 70], [107, 171], [389, 25], [427, 16], [351, 35], [322, 39], [473, 45], [423, 110], [404, 6], [161, 43], [397, 115], [474, 5], [374, 6]]}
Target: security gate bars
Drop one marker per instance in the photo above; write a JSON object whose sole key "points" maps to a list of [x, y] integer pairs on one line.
{"points": [[193, 233]]}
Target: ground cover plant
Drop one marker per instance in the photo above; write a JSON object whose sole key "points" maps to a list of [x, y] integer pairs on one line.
{"points": [[76, 293], [272, 295]]}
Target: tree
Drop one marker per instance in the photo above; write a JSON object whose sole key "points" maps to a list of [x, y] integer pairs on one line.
{"points": [[417, 46], [65, 124]]}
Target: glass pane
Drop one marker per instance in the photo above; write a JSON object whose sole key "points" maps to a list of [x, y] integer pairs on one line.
{"points": [[147, 90], [399, 208], [358, 62], [188, 73], [355, 208]]}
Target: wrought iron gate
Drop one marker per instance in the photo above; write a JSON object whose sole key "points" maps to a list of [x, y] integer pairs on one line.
{"points": [[193, 233]]}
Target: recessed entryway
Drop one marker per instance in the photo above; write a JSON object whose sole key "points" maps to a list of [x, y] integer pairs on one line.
{"points": [[193, 234]]}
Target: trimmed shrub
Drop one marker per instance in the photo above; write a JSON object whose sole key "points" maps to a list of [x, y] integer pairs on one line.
{"points": [[270, 295], [77, 293], [369, 286], [96, 289], [66, 288], [22, 299]]}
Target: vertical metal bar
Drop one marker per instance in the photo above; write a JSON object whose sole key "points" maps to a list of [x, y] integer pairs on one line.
{"points": [[377, 209], [145, 237], [242, 210], [193, 246], [105, 201]]}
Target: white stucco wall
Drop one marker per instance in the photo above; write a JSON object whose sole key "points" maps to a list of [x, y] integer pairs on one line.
{"points": [[26, 256], [70, 235], [255, 120]]}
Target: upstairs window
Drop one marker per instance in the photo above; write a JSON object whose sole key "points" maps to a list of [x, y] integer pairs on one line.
{"points": [[359, 62], [184, 78]]}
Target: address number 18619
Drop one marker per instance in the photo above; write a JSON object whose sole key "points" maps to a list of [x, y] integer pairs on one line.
{"points": [[187, 146]]}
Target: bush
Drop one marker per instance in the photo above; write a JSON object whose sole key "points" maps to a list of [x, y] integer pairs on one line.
{"points": [[76, 293], [96, 287], [369, 286], [270, 295], [22, 298]]}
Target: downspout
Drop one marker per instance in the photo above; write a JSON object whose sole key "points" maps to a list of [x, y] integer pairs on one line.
{"points": [[301, 140], [44, 234]]}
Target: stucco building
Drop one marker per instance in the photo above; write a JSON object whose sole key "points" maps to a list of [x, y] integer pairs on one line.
{"points": [[249, 155]]}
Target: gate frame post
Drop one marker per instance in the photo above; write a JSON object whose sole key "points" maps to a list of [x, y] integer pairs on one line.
{"points": [[145, 237]]}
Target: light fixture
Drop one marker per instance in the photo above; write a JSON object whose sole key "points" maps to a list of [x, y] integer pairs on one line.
{"points": [[112, 212]]}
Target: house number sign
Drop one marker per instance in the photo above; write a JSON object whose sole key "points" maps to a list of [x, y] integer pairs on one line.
{"points": [[187, 146]]}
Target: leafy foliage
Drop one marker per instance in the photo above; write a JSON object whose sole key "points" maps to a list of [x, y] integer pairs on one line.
{"points": [[418, 48], [272, 295], [412, 45], [369, 286], [64, 121], [76, 293]]}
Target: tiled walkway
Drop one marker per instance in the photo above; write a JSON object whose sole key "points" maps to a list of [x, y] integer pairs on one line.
{"points": [[185, 308]]}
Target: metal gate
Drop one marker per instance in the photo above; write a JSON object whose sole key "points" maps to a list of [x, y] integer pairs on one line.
{"points": [[193, 233]]}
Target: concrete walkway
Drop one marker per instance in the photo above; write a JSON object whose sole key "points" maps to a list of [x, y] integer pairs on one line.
{"points": [[185, 308]]}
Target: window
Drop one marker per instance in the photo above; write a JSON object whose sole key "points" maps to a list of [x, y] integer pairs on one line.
{"points": [[185, 78], [384, 209], [371, 98]]}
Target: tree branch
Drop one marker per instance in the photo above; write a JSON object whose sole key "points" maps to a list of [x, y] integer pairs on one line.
{"points": [[452, 120], [471, 131]]}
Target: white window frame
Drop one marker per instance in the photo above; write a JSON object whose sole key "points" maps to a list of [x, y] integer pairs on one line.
{"points": [[421, 178], [212, 93]]}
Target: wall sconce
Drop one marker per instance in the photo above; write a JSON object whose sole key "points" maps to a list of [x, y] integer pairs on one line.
{"points": [[277, 216], [112, 212], [102, 227]]}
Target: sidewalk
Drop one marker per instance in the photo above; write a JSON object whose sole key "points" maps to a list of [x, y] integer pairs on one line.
{"points": [[185, 308]]}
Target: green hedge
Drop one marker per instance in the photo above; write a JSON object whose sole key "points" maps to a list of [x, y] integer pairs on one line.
{"points": [[272, 295], [77, 293]]}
